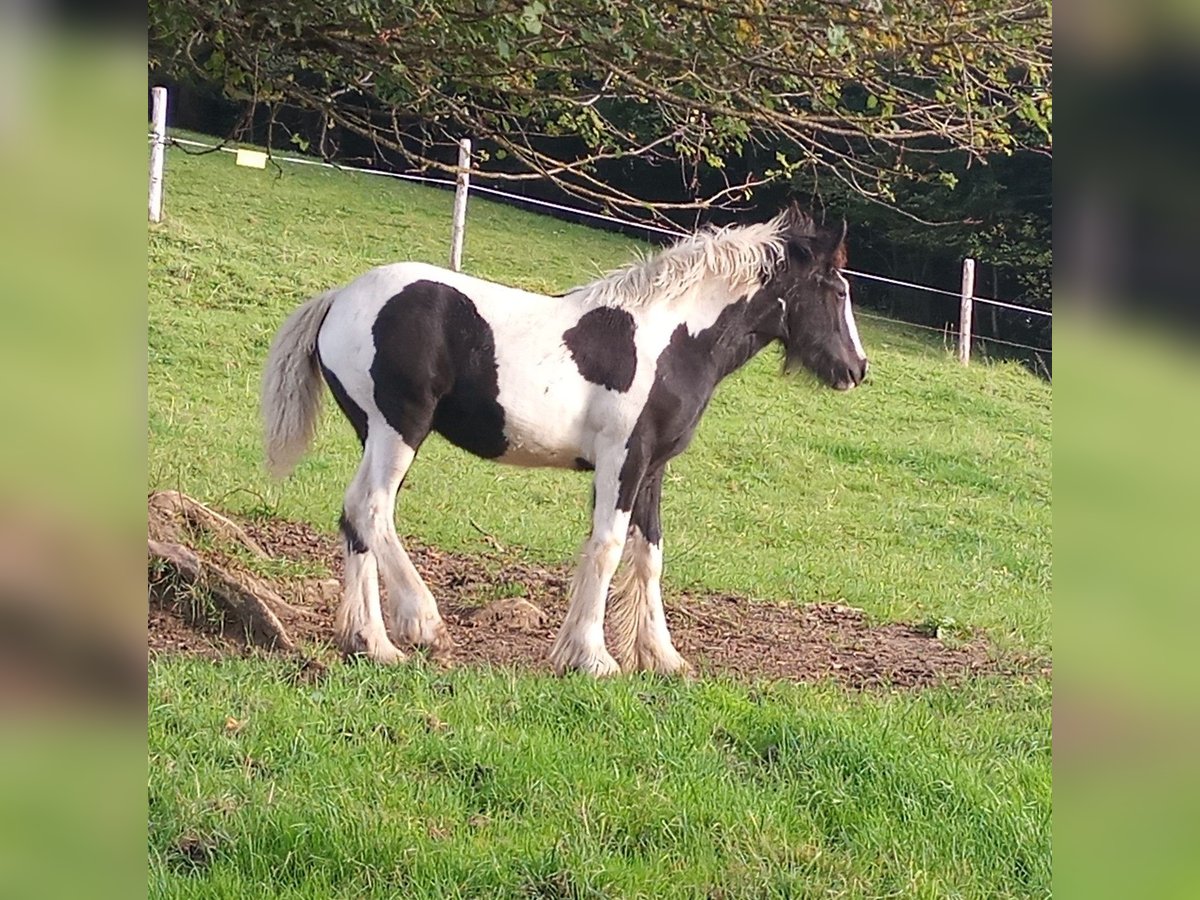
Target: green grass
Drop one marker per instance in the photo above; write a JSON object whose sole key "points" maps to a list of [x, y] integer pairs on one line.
{"points": [[923, 497], [413, 783]]}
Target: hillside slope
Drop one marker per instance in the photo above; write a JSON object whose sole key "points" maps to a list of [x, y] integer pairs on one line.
{"points": [[923, 496]]}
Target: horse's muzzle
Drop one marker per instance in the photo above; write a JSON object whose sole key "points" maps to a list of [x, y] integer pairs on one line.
{"points": [[855, 375]]}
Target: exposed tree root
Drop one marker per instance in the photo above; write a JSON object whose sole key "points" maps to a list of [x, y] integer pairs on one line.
{"points": [[212, 584], [169, 509]]}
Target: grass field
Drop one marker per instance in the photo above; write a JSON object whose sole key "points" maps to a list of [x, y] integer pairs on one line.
{"points": [[924, 497]]}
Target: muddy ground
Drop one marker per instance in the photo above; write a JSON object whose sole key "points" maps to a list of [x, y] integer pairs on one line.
{"points": [[505, 613]]}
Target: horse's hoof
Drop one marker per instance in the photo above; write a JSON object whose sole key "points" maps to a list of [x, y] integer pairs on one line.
{"points": [[667, 662], [597, 663], [388, 657], [377, 650], [596, 668], [430, 633], [672, 666], [685, 671]]}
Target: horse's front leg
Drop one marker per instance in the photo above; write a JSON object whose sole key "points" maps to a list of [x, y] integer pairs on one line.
{"points": [[639, 623], [580, 642]]}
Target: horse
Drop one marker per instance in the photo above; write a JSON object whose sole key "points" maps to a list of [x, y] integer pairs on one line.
{"points": [[611, 378]]}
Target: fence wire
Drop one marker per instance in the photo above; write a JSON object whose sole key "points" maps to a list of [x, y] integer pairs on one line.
{"points": [[546, 204], [859, 314], [932, 290]]}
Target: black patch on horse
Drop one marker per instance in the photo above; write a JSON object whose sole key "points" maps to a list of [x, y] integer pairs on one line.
{"points": [[601, 343], [352, 411], [354, 540], [583, 465], [646, 507], [685, 376], [435, 367]]}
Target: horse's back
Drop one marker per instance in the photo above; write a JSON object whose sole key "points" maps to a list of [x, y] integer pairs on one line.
{"points": [[489, 358], [417, 298], [405, 281]]}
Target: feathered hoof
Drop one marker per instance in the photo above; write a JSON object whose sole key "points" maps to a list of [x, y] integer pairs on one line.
{"points": [[425, 632], [572, 657], [362, 645], [668, 665]]}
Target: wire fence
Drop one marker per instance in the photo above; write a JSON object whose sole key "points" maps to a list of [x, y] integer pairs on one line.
{"points": [[965, 297], [932, 290], [947, 332]]}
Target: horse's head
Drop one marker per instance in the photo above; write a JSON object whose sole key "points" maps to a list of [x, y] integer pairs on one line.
{"points": [[818, 329]]}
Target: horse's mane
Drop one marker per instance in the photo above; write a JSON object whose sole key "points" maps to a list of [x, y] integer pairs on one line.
{"points": [[740, 254]]}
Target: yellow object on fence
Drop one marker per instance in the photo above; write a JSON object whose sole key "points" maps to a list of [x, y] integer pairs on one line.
{"points": [[255, 159]]}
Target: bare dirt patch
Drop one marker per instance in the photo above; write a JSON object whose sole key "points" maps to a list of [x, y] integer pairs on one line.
{"points": [[503, 612]]}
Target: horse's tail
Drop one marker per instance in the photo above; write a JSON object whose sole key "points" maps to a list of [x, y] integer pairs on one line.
{"points": [[292, 386]]}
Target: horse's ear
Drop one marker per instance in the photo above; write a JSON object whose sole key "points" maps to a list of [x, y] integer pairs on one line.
{"points": [[833, 244], [800, 232], [797, 221]]}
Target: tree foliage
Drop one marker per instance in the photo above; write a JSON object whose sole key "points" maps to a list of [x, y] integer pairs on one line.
{"points": [[869, 95]]}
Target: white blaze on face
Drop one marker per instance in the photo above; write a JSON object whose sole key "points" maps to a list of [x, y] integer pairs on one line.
{"points": [[848, 314]]}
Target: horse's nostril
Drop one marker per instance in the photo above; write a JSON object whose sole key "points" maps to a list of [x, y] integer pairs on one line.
{"points": [[866, 367]]}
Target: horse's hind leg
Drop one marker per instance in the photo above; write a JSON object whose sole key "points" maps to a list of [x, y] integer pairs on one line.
{"points": [[639, 623], [411, 608], [359, 626]]}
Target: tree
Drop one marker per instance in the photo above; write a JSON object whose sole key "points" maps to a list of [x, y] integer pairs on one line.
{"points": [[870, 94]]}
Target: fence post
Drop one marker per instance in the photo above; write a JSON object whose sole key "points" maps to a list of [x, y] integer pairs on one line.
{"points": [[460, 204], [964, 316], [157, 150]]}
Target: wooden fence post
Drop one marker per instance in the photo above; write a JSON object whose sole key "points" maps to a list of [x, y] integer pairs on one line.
{"points": [[460, 204], [157, 150], [964, 317]]}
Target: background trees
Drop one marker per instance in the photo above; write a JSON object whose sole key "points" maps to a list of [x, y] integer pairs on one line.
{"points": [[928, 122]]}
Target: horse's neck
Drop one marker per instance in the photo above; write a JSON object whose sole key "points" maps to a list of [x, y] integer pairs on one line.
{"points": [[742, 338], [741, 323]]}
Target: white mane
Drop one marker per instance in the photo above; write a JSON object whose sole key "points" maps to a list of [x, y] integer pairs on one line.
{"points": [[740, 255]]}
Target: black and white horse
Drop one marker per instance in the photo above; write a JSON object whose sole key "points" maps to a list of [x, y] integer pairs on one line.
{"points": [[611, 377]]}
